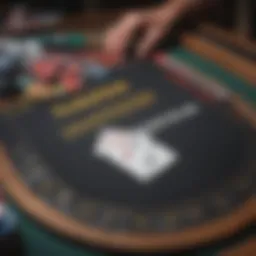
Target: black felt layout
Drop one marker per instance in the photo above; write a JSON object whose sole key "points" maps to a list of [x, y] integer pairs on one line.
{"points": [[211, 145]]}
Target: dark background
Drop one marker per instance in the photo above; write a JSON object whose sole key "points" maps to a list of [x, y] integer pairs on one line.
{"points": [[223, 12]]}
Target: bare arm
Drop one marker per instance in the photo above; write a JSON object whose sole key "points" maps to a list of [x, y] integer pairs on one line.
{"points": [[156, 22]]}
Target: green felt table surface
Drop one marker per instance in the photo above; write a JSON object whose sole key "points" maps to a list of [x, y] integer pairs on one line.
{"points": [[40, 242]]}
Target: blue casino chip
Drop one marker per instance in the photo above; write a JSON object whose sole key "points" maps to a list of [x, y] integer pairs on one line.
{"points": [[93, 70], [7, 62]]}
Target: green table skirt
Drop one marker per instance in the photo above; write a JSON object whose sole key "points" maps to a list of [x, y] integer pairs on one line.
{"points": [[40, 242]]}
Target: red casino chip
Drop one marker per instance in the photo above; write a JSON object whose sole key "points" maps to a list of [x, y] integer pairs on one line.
{"points": [[73, 69], [72, 78], [72, 83], [47, 69]]}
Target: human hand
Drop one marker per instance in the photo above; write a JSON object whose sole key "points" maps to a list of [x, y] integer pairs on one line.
{"points": [[155, 23]]}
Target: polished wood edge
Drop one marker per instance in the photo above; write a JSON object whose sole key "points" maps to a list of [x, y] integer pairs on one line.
{"points": [[247, 248], [243, 108], [235, 64], [51, 218], [229, 36]]}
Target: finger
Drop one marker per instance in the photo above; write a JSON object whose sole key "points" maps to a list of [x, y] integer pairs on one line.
{"points": [[149, 41], [118, 37]]}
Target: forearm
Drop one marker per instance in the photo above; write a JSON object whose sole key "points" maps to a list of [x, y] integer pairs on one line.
{"points": [[179, 8]]}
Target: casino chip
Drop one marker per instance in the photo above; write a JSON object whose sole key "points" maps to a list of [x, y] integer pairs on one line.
{"points": [[14, 48], [14, 59], [28, 50], [32, 51], [93, 70], [71, 79]]}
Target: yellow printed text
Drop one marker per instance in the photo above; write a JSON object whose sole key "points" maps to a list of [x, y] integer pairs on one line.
{"points": [[131, 104], [85, 101]]}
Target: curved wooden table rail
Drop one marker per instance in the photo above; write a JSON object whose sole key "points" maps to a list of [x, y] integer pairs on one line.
{"points": [[229, 36], [236, 64], [58, 222]]}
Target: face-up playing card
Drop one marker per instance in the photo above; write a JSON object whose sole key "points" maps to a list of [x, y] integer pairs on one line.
{"points": [[135, 153]]}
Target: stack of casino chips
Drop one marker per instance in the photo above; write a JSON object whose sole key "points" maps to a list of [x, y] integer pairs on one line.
{"points": [[15, 58], [10, 241], [93, 70], [25, 67], [72, 78], [56, 70]]}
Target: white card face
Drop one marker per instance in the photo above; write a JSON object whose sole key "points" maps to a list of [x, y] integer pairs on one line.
{"points": [[135, 153]]}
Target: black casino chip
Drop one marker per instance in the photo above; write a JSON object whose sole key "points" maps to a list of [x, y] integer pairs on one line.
{"points": [[137, 146]]}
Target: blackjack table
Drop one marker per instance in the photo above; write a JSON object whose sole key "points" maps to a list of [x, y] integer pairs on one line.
{"points": [[145, 157]]}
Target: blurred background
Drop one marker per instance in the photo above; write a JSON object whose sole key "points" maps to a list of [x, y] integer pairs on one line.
{"points": [[238, 16]]}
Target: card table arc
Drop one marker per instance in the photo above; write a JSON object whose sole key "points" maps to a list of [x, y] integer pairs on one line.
{"points": [[138, 238], [228, 38], [237, 64], [222, 228]]}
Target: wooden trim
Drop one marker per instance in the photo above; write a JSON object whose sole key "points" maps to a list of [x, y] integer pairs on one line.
{"points": [[238, 65], [229, 36]]}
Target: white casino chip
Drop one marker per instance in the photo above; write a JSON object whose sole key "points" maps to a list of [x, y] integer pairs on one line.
{"points": [[32, 50]]}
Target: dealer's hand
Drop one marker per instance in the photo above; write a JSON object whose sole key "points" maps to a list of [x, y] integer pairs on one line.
{"points": [[155, 23]]}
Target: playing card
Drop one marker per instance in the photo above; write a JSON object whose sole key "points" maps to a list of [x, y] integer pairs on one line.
{"points": [[136, 153]]}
